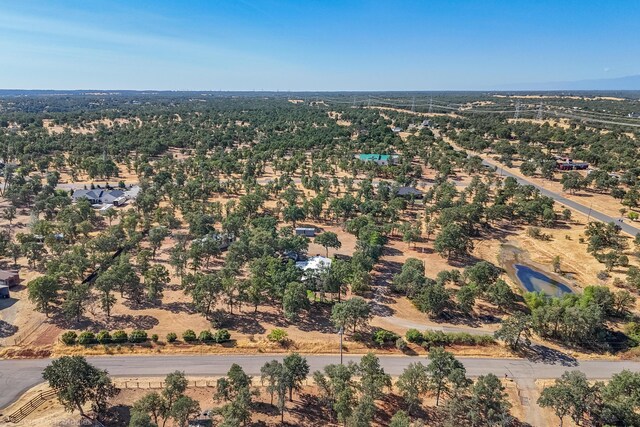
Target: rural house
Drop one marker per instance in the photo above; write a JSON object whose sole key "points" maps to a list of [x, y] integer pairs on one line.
{"points": [[409, 192], [380, 159]]}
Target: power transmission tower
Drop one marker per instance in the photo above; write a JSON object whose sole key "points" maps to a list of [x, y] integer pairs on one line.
{"points": [[517, 113], [369, 101], [430, 105], [539, 115], [354, 101], [413, 105]]}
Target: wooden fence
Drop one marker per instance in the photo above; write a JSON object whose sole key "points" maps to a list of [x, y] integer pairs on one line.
{"points": [[42, 397], [30, 406], [154, 385]]}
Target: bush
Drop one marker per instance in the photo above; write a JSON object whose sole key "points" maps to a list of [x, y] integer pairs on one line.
{"points": [[383, 337], [632, 329], [103, 337], [155, 337], [414, 336], [69, 338], [189, 336], [205, 336], [440, 338], [137, 336], [86, 338], [401, 344], [172, 337], [119, 337], [222, 336], [536, 233], [277, 335]]}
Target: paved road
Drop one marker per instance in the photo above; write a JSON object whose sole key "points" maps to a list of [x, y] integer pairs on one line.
{"points": [[18, 375], [586, 210], [627, 228]]}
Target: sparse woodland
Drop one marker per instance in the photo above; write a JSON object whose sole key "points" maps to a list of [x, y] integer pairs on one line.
{"points": [[224, 180]]}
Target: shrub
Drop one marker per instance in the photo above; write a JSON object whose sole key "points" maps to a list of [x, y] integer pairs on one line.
{"points": [[222, 336], [277, 335], [383, 337], [119, 337], [103, 337], [401, 344], [205, 336], [414, 336], [86, 338], [155, 337], [632, 330], [69, 338], [440, 338], [137, 336], [172, 337], [189, 336]]}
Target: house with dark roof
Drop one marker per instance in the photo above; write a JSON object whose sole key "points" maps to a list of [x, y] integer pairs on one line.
{"points": [[98, 196], [409, 192]]}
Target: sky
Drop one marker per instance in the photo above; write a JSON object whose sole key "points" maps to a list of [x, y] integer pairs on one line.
{"points": [[314, 45]]}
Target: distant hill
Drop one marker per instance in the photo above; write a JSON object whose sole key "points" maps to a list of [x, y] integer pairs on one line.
{"points": [[618, 83]]}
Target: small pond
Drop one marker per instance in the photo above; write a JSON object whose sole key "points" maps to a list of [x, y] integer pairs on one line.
{"points": [[536, 281]]}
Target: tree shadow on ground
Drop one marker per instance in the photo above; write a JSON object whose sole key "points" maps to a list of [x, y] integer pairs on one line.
{"points": [[7, 329], [118, 415], [180, 307], [318, 319], [246, 323], [120, 321], [381, 301], [389, 251], [541, 353], [310, 411]]}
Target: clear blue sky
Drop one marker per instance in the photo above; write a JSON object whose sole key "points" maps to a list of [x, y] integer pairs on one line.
{"points": [[313, 44]]}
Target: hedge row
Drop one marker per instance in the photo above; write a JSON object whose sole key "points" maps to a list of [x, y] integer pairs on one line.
{"points": [[206, 336], [429, 338], [139, 336], [104, 337]]}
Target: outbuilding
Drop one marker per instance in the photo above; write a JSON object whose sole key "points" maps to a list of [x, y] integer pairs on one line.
{"points": [[4, 292], [9, 278], [305, 231]]}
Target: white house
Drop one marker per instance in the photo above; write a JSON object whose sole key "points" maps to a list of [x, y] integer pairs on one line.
{"points": [[315, 263]]}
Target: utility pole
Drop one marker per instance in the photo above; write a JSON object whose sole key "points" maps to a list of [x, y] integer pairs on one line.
{"points": [[341, 332]]}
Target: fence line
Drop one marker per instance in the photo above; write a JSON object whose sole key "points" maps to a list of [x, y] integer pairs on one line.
{"points": [[26, 409], [20, 337], [155, 385], [30, 406]]}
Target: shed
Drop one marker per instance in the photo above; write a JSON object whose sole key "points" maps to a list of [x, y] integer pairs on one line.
{"points": [[4, 292], [9, 278], [305, 231]]}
